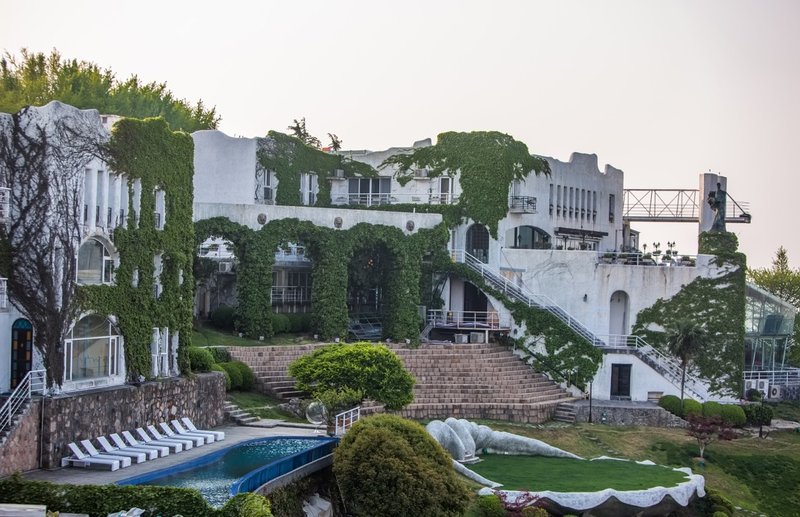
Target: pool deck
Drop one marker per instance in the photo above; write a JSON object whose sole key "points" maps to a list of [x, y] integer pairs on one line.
{"points": [[233, 435]]}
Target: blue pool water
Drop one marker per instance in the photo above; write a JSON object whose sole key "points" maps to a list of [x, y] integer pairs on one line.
{"points": [[246, 466]]}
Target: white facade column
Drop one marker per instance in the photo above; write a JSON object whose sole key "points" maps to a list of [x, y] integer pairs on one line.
{"points": [[137, 201], [102, 198], [123, 200], [154, 346], [91, 198], [174, 341]]}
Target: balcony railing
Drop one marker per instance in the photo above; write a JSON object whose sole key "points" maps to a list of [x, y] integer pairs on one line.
{"points": [[479, 320], [523, 204], [647, 259], [290, 294], [291, 254], [396, 199]]}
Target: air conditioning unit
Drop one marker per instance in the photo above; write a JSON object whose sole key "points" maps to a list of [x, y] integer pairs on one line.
{"points": [[476, 337], [338, 174], [762, 385], [775, 392], [421, 173], [225, 267], [461, 339]]}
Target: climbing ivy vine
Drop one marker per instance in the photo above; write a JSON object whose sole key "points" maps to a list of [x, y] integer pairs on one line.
{"points": [[716, 303], [290, 157], [486, 163], [146, 150]]}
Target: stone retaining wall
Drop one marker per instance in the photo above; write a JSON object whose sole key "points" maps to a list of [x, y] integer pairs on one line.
{"points": [[86, 415], [631, 416], [20, 453]]}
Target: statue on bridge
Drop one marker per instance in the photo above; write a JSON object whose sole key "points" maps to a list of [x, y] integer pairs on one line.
{"points": [[717, 200]]}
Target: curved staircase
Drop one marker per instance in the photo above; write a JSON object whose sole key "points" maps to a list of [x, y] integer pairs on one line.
{"points": [[464, 381]]}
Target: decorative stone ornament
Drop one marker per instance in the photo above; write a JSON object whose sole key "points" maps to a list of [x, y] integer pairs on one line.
{"points": [[262, 219], [410, 225], [337, 222]]}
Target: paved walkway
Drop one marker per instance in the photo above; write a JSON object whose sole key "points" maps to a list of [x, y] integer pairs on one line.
{"points": [[233, 435]]}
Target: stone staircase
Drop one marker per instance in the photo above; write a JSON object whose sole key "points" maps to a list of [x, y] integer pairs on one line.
{"points": [[565, 412], [18, 414], [240, 416], [465, 381]]}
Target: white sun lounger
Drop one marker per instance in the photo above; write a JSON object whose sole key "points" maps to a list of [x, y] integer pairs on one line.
{"points": [[80, 459], [199, 439], [172, 444], [125, 451], [219, 435], [125, 460], [160, 450], [187, 443], [181, 431]]}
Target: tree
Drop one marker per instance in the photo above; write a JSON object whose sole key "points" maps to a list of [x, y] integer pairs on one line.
{"points": [[783, 282], [685, 339], [336, 142], [372, 370], [36, 79], [386, 465], [300, 132], [707, 429]]}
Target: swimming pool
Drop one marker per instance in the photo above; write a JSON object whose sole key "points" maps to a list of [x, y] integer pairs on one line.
{"points": [[240, 468]]}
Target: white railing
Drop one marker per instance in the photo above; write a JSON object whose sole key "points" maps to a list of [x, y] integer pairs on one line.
{"points": [[291, 254], [34, 382], [785, 377], [290, 294], [665, 364], [426, 198], [479, 320], [646, 259], [346, 419], [3, 294]]}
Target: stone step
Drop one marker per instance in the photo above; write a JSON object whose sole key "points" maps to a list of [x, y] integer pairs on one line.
{"points": [[247, 420]]}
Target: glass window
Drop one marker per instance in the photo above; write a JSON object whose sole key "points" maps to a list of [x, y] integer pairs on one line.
{"points": [[95, 265], [92, 350]]}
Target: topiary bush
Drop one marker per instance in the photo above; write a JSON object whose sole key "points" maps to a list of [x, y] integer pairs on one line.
{"points": [[200, 359], [489, 506], [248, 378], [692, 407], [671, 403], [386, 465], [224, 317], [217, 368], [280, 323], [235, 374], [247, 504], [220, 353], [712, 408], [758, 414], [753, 395], [733, 415], [299, 322]]}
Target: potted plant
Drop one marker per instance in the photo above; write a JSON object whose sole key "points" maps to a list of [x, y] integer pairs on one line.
{"points": [[608, 257]]}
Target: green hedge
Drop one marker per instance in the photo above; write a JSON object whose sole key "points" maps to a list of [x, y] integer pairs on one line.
{"points": [[299, 322], [223, 317], [234, 373], [734, 415], [248, 377], [692, 407], [488, 506], [220, 354], [200, 359], [218, 368], [758, 414], [280, 323], [671, 403], [712, 408]]}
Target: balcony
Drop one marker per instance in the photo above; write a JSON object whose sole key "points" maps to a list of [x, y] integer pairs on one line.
{"points": [[425, 198], [291, 254], [290, 294], [523, 205]]}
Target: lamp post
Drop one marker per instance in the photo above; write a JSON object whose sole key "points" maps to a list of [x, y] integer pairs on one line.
{"points": [[590, 402]]}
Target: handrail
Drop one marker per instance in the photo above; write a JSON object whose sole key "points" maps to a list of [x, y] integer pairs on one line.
{"points": [[33, 382], [346, 419], [670, 369]]}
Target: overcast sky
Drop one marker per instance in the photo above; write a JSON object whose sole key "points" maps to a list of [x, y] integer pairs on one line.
{"points": [[662, 90]]}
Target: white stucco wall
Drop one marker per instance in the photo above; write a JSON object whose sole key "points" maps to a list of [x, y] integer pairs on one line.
{"points": [[247, 214], [224, 168], [643, 379]]}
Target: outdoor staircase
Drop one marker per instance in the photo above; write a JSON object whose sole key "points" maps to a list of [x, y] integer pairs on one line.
{"points": [[270, 364], [565, 412], [665, 365], [240, 416], [16, 405]]}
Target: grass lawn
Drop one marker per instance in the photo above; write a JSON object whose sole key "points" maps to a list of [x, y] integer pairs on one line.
{"points": [[538, 473], [205, 336], [262, 406], [757, 474]]}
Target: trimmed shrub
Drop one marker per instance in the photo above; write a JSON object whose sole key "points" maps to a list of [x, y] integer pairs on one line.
{"points": [[248, 378], [758, 414], [692, 407], [534, 511], [489, 506], [299, 322], [217, 368], [220, 353], [386, 465], [711, 408], [224, 317], [235, 373], [200, 359], [753, 395], [280, 323], [671, 403], [247, 504], [733, 414]]}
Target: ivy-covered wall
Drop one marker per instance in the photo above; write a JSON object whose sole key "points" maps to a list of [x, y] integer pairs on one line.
{"points": [[147, 150], [716, 303], [331, 252]]}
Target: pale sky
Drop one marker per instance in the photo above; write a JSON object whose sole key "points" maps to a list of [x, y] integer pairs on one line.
{"points": [[662, 90]]}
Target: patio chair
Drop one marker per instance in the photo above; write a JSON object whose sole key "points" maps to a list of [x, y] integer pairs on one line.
{"points": [[199, 439], [125, 451], [161, 450], [219, 435], [172, 444], [80, 459], [187, 443], [87, 445]]}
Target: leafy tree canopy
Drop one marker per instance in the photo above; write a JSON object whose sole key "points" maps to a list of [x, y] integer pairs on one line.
{"points": [[373, 370], [36, 79]]}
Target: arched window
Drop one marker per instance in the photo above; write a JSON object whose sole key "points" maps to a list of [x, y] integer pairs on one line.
{"points": [[92, 349], [478, 242], [95, 265], [528, 238]]}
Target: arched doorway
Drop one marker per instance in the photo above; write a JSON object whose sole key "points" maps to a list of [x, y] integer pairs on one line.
{"points": [[478, 242], [21, 350], [618, 313]]}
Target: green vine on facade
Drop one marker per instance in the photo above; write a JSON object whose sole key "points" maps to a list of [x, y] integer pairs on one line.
{"points": [[147, 151], [716, 303], [289, 157], [486, 163]]}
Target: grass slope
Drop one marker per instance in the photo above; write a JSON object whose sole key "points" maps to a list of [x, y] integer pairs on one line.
{"points": [[205, 336], [262, 406]]}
